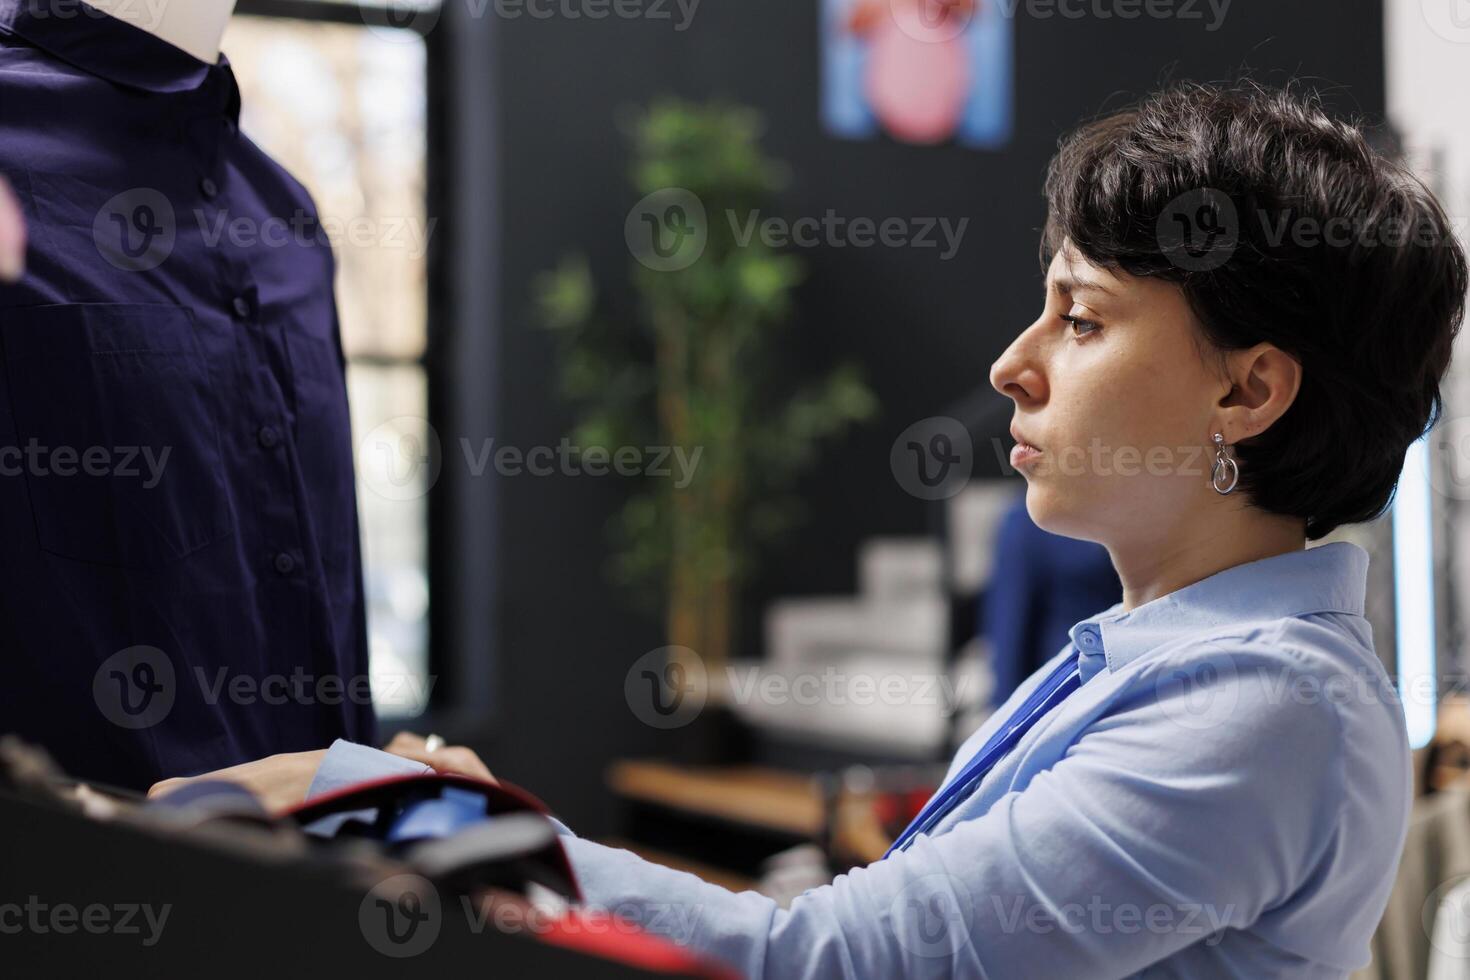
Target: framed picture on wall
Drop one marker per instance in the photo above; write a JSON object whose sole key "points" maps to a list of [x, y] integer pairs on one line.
{"points": [[918, 71]]}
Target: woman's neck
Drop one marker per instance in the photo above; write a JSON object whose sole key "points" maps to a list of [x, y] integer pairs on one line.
{"points": [[195, 26], [1195, 550]]}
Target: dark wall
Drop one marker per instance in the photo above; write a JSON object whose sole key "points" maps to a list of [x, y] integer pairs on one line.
{"points": [[926, 330]]}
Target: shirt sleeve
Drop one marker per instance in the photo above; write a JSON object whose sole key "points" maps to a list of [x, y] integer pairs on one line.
{"points": [[1158, 829], [347, 763]]}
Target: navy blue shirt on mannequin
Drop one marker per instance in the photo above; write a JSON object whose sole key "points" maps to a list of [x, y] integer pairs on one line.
{"points": [[180, 575]]}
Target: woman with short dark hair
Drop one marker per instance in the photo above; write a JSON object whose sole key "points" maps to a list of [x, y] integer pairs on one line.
{"points": [[1248, 312], [1278, 226]]}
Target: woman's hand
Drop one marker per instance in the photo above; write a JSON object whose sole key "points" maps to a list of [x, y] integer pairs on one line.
{"points": [[279, 781], [449, 758], [12, 236]]}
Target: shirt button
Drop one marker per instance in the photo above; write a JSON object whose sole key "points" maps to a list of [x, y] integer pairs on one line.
{"points": [[209, 187], [285, 564], [268, 436], [242, 307], [1087, 637]]}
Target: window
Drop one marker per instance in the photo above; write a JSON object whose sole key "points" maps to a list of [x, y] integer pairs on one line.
{"points": [[342, 105]]}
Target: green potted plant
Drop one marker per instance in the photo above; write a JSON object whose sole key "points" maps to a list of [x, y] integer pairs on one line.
{"points": [[701, 371]]}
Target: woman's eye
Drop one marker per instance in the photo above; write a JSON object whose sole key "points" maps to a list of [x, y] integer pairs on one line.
{"points": [[1080, 327]]}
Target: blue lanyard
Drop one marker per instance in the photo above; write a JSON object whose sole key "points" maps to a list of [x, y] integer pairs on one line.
{"points": [[1062, 681]]}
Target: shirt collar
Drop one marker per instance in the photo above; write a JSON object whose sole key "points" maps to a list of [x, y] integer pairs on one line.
{"points": [[1328, 578], [103, 45]]}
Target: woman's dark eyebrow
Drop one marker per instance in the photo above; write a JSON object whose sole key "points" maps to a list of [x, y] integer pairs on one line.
{"points": [[1067, 286]]}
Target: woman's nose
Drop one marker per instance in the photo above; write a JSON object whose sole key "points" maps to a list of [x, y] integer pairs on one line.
{"points": [[1016, 375]]}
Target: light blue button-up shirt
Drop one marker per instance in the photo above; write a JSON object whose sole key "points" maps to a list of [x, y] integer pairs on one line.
{"points": [[1226, 795]]}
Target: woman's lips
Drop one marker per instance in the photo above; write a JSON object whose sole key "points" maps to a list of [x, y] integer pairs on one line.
{"points": [[1024, 454]]}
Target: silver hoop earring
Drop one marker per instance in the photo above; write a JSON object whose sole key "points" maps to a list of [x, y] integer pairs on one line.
{"points": [[1226, 472]]}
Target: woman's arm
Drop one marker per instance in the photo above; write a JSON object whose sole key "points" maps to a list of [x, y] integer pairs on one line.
{"points": [[1145, 839], [1148, 837]]}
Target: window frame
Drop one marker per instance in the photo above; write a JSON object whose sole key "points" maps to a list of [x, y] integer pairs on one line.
{"points": [[460, 702]]}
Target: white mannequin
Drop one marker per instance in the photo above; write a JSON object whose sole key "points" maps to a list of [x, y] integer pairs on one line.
{"points": [[195, 26]]}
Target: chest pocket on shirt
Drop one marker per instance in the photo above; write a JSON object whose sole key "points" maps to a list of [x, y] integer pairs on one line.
{"points": [[117, 436]]}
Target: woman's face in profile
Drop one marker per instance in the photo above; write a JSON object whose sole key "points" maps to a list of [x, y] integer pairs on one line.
{"points": [[1111, 387]]}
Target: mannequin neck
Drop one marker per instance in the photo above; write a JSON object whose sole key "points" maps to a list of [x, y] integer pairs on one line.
{"points": [[195, 26]]}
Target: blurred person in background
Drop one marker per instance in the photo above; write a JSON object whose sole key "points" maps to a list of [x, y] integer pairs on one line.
{"points": [[1041, 585]]}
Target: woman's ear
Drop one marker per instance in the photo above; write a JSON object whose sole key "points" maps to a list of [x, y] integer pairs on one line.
{"points": [[1266, 380]]}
